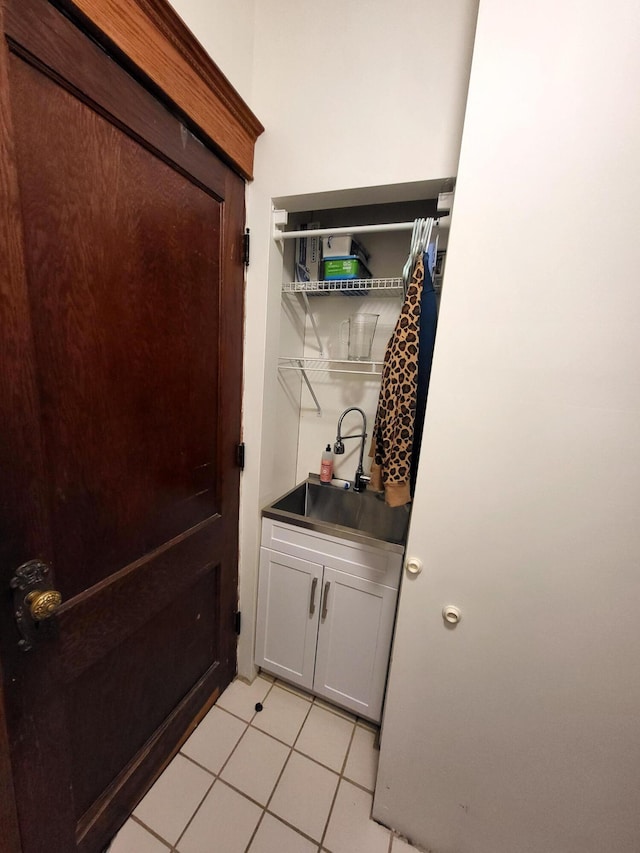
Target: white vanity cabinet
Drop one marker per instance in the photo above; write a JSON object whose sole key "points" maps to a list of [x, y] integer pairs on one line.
{"points": [[288, 615], [326, 610]]}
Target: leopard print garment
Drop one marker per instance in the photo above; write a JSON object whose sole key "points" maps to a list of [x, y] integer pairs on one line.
{"points": [[392, 441]]}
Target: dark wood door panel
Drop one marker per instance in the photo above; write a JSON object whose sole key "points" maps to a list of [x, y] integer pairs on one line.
{"points": [[110, 810], [124, 702], [52, 43], [136, 338], [121, 330], [99, 620]]}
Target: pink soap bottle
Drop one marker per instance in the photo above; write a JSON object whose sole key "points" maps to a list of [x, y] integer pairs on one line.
{"points": [[326, 466]]}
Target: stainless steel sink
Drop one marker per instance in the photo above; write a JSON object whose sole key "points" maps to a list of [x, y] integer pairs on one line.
{"points": [[359, 516]]}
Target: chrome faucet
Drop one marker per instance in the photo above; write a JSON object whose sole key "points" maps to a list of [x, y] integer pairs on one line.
{"points": [[361, 480]]}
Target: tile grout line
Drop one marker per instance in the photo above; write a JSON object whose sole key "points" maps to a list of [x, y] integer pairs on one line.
{"points": [[341, 775], [218, 776], [340, 778], [325, 705], [197, 764], [215, 775], [351, 719], [292, 826], [149, 830], [188, 823], [355, 723], [313, 701], [253, 716], [273, 790]]}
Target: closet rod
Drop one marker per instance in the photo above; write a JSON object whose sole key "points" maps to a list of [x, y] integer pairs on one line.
{"points": [[351, 229]]}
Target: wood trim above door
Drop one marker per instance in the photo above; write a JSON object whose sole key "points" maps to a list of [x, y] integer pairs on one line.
{"points": [[152, 37]]}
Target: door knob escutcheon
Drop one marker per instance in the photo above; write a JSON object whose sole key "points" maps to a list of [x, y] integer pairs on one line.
{"points": [[33, 601]]}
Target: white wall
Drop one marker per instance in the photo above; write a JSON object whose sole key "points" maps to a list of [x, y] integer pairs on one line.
{"points": [[336, 392], [360, 101], [226, 31], [360, 94], [518, 729]]}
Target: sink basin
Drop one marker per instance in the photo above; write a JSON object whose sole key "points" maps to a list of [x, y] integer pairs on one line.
{"points": [[360, 516]]}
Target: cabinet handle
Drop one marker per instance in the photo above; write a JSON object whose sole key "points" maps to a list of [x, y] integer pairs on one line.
{"points": [[312, 600], [325, 599]]}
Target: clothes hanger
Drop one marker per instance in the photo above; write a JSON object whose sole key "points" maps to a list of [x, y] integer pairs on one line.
{"points": [[420, 238]]}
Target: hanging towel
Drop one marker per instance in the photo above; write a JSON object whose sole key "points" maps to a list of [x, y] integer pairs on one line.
{"points": [[426, 343], [392, 441]]}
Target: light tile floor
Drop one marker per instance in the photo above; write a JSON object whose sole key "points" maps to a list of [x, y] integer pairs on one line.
{"points": [[296, 777]]}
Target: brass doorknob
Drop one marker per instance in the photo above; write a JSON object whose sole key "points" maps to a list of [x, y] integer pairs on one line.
{"points": [[42, 605]]}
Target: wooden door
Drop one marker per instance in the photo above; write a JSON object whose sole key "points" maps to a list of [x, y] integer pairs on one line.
{"points": [[121, 299], [288, 613], [354, 642]]}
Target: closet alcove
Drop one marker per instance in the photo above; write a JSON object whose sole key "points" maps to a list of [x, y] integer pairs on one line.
{"points": [[316, 381]]}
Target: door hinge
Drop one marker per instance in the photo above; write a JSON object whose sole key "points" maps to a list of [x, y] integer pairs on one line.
{"points": [[246, 241], [240, 456], [237, 618]]}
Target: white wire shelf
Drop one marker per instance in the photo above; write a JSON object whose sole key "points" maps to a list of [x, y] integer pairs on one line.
{"points": [[305, 366], [330, 365], [393, 286]]}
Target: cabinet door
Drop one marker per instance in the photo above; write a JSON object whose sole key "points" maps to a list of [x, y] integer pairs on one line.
{"points": [[354, 642], [288, 610]]}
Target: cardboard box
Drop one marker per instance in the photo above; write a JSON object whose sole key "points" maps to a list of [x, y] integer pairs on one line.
{"points": [[341, 246], [307, 259]]}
